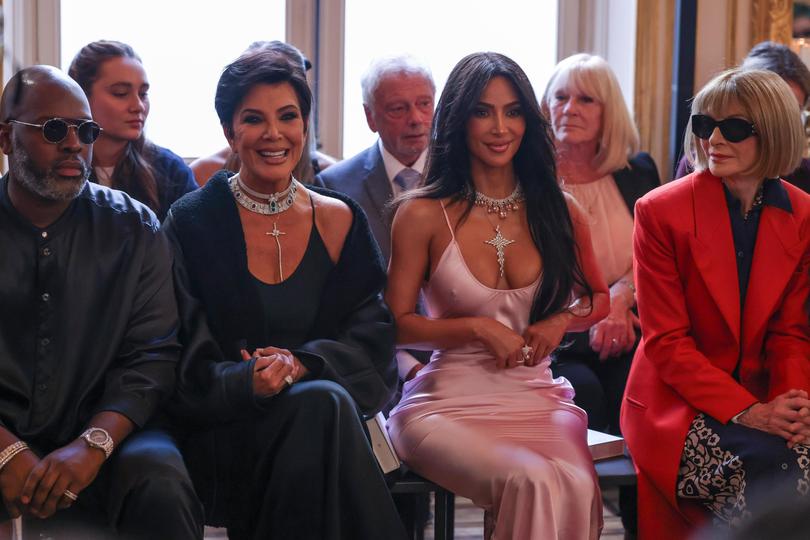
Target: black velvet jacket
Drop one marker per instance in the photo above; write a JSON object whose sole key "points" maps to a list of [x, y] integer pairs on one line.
{"points": [[351, 342], [637, 179]]}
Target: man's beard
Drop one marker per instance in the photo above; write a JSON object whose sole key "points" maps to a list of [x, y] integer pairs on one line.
{"points": [[44, 183]]}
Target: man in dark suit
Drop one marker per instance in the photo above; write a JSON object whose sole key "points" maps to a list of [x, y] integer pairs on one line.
{"points": [[398, 95]]}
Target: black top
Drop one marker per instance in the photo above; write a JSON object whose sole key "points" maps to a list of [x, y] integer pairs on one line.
{"points": [[88, 320], [744, 231], [299, 294]]}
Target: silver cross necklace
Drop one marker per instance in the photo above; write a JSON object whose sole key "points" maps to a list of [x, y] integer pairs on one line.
{"points": [[276, 204], [501, 207], [499, 242]]}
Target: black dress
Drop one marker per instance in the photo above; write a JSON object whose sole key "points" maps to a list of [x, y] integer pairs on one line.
{"points": [[297, 464]]}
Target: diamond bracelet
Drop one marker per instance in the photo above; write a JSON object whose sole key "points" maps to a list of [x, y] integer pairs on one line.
{"points": [[11, 451]]}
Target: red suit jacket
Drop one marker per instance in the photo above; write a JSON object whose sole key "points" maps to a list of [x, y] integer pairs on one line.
{"points": [[694, 334]]}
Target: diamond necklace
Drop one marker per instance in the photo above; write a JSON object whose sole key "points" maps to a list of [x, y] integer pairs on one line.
{"points": [[276, 202], [499, 206]]}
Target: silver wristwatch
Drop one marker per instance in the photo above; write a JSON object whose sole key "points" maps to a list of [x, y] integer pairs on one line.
{"points": [[99, 438]]}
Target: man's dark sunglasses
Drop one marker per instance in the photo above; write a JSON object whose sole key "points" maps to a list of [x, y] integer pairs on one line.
{"points": [[56, 130], [733, 129]]}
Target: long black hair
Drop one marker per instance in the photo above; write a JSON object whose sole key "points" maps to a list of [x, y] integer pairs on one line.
{"points": [[133, 173], [448, 173]]}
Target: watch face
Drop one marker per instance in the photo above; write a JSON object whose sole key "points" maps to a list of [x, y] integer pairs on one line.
{"points": [[97, 436]]}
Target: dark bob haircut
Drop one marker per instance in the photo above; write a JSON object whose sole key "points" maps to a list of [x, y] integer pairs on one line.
{"points": [[259, 66], [448, 173]]}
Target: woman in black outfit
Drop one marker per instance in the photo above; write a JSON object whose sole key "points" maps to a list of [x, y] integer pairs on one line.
{"points": [[286, 338]]}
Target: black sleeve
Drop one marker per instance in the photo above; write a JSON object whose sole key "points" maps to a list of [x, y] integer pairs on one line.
{"points": [[643, 166], [360, 357], [143, 375], [210, 389]]}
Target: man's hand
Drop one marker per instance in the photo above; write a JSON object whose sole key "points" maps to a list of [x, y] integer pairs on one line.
{"points": [[71, 467], [12, 480]]}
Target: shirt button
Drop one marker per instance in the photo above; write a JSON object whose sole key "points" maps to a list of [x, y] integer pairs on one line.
{"points": [[44, 234], [46, 251], [46, 297], [739, 254], [784, 466], [42, 387], [45, 342]]}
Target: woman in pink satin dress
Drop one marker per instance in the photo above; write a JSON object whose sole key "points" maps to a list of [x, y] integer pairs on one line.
{"points": [[505, 263]]}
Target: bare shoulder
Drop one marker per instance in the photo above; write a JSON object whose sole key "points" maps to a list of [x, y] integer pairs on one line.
{"points": [[418, 211], [334, 219], [205, 167]]}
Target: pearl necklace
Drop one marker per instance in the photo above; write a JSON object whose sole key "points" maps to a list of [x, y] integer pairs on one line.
{"points": [[276, 202], [499, 206]]}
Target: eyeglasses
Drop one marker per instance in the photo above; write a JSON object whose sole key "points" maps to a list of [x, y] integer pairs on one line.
{"points": [[733, 129], [56, 130]]}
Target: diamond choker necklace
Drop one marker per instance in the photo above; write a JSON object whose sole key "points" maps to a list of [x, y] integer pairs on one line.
{"points": [[499, 206], [276, 202]]}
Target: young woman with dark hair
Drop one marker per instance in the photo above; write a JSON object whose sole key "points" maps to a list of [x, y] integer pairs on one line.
{"points": [[505, 263], [113, 77]]}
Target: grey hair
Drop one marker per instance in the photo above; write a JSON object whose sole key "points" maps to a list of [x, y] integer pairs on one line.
{"points": [[385, 66]]}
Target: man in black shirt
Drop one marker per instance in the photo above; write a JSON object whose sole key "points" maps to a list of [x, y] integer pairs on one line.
{"points": [[88, 332]]}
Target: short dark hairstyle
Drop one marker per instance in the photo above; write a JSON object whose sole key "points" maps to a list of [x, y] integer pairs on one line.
{"points": [[770, 56], [292, 52], [259, 66], [448, 173]]}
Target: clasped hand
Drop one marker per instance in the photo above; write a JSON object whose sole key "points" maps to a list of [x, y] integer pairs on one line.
{"points": [[37, 487], [509, 348], [615, 334], [786, 415], [272, 368]]}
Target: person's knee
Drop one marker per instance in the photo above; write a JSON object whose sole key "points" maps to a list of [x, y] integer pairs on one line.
{"points": [[321, 399], [546, 476], [151, 461], [150, 481]]}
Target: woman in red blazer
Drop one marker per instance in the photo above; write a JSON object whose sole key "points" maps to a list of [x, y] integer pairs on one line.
{"points": [[716, 406]]}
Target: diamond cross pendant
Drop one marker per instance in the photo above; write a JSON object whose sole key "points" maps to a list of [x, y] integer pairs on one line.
{"points": [[499, 242], [275, 233]]}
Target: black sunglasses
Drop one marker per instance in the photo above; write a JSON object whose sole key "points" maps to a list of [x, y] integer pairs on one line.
{"points": [[733, 129], [56, 130]]}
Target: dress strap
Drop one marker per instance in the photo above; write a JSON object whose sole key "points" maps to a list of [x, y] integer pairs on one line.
{"points": [[447, 219]]}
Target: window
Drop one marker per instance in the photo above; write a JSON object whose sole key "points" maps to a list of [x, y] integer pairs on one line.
{"points": [[184, 45], [441, 33]]}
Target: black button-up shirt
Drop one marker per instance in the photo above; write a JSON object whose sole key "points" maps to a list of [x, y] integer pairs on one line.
{"points": [[744, 231], [88, 320]]}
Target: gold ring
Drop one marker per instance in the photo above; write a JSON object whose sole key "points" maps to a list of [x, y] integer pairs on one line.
{"points": [[70, 495]]}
